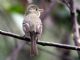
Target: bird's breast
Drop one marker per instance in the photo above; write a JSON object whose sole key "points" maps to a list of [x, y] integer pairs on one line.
{"points": [[34, 22]]}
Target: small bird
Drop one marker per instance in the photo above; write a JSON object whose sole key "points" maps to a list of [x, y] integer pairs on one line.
{"points": [[32, 26]]}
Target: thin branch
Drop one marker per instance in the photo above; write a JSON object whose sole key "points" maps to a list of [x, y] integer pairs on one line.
{"points": [[75, 24], [43, 43], [66, 3]]}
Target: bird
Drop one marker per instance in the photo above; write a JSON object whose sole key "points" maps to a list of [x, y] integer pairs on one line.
{"points": [[32, 27]]}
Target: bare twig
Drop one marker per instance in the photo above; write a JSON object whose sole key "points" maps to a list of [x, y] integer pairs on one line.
{"points": [[74, 23], [74, 20], [43, 43], [66, 3]]}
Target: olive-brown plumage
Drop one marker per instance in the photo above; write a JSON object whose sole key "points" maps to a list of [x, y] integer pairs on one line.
{"points": [[32, 26]]}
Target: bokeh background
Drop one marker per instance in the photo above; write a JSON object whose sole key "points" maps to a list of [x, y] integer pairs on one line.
{"points": [[57, 28]]}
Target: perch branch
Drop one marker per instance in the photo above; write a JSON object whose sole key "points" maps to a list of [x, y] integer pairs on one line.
{"points": [[43, 43]]}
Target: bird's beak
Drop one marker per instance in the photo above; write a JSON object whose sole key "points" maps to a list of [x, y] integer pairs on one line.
{"points": [[41, 10]]}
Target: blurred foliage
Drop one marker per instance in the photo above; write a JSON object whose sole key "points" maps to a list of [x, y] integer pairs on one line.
{"points": [[62, 17], [16, 8]]}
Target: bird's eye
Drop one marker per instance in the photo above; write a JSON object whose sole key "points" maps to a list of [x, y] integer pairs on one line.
{"points": [[36, 9]]}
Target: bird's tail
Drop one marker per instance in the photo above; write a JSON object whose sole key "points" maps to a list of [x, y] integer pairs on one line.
{"points": [[33, 51]]}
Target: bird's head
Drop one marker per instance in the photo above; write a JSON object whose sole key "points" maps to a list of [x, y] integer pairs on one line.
{"points": [[34, 9]]}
